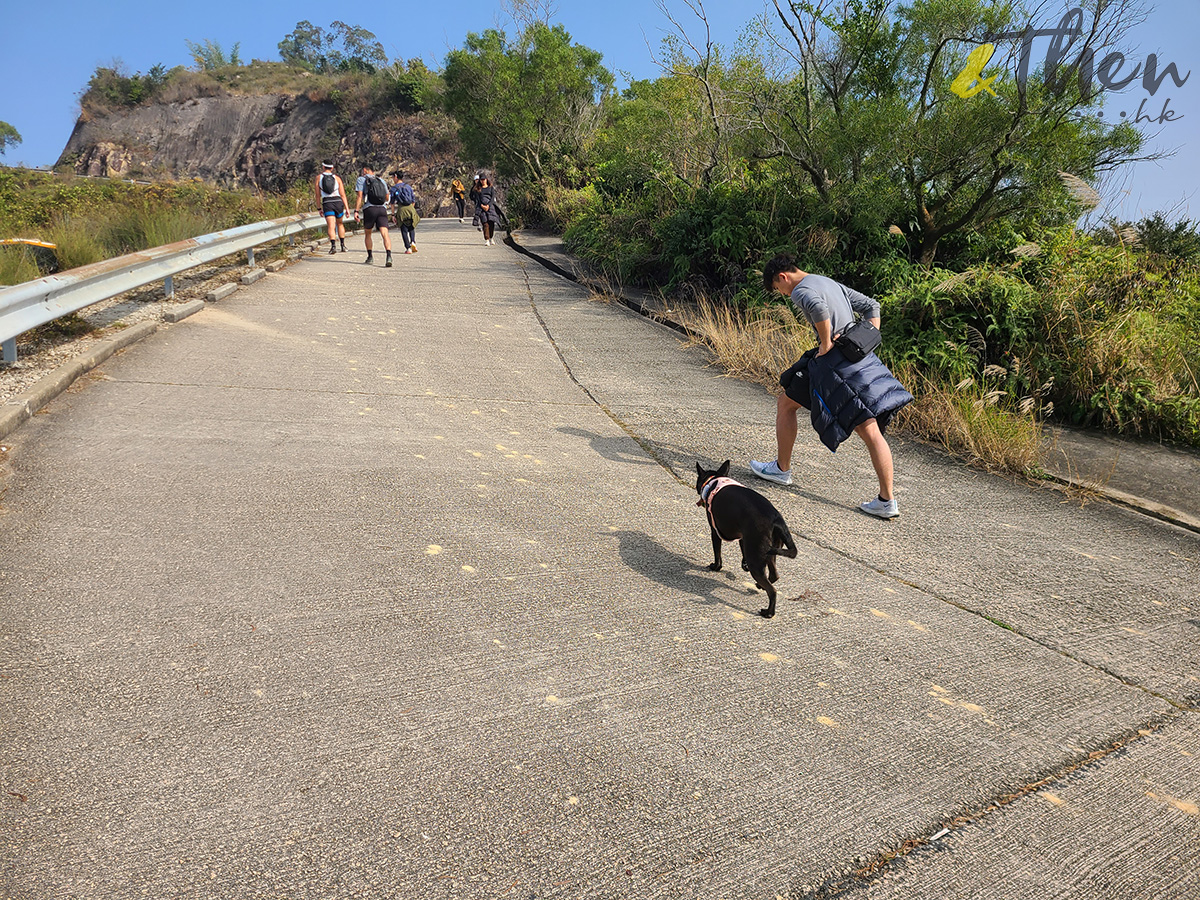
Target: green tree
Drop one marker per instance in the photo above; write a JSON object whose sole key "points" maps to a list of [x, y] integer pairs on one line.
{"points": [[359, 49], [9, 137], [211, 55], [110, 87], [343, 48], [305, 47], [867, 110], [530, 106]]}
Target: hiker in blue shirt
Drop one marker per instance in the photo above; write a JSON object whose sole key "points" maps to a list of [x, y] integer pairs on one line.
{"points": [[404, 202]]}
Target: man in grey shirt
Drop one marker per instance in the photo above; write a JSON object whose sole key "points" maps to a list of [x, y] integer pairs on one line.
{"points": [[829, 307]]}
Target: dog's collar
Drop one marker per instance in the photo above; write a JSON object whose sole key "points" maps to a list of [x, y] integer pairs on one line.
{"points": [[710, 489]]}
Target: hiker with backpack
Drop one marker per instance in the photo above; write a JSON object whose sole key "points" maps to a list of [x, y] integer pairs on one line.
{"points": [[370, 201], [331, 194], [405, 200]]}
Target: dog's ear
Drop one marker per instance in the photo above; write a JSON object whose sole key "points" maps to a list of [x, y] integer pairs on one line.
{"points": [[724, 470], [699, 471]]}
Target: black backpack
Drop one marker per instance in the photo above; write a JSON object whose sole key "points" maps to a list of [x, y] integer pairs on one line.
{"points": [[377, 193], [328, 183]]}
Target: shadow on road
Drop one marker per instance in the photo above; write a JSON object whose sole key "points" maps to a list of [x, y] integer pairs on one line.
{"points": [[616, 449], [648, 557]]}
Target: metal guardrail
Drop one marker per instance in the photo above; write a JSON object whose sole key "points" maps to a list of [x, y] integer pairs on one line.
{"points": [[33, 303]]}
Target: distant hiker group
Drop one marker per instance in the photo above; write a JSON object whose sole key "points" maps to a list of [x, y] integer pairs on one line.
{"points": [[373, 197]]}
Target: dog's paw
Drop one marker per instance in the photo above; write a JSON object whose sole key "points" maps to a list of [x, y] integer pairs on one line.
{"points": [[714, 567], [767, 613]]}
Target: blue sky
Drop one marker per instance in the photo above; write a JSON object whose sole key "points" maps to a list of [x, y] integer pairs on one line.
{"points": [[52, 52]]}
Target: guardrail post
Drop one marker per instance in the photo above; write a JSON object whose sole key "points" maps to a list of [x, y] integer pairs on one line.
{"points": [[169, 287], [10, 350], [250, 257]]}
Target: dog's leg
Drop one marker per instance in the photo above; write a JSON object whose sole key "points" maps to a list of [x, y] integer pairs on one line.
{"points": [[716, 539], [759, 570], [772, 575], [769, 612]]}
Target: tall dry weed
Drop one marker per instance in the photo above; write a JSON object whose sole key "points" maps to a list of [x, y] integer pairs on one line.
{"points": [[972, 423], [754, 344]]}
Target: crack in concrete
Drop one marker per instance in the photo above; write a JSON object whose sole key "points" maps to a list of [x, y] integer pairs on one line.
{"points": [[838, 885], [624, 426]]}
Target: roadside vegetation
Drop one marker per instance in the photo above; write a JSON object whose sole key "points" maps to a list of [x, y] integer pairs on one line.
{"points": [[90, 220], [832, 130]]}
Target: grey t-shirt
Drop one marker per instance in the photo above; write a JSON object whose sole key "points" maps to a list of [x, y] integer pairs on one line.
{"points": [[819, 299]]}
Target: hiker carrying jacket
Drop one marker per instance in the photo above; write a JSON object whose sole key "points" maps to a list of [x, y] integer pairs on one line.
{"points": [[843, 397]]}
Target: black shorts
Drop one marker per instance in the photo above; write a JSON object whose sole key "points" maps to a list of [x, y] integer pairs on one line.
{"points": [[333, 207], [795, 381], [375, 217]]}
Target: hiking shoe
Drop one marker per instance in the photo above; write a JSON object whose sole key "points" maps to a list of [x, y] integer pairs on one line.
{"points": [[770, 471], [388, 263], [343, 246], [881, 509], [332, 250], [369, 260]]}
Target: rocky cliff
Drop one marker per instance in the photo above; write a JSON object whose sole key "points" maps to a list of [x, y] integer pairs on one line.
{"points": [[269, 142]]}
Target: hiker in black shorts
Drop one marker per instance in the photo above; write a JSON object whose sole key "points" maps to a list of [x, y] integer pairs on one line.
{"points": [[331, 194], [370, 201]]}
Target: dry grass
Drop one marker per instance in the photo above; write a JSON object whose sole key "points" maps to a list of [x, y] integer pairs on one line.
{"points": [[973, 424], [755, 345]]}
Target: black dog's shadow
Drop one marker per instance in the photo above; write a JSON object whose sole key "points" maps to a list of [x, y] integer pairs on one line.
{"points": [[648, 557]]}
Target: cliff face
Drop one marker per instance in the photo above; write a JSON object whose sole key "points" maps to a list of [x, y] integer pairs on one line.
{"points": [[268, 142]]}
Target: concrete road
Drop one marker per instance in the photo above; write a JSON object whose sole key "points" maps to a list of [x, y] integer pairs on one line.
{"points": [[391, 583]]}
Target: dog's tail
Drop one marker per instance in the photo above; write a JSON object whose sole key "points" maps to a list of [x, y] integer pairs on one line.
{"points": [[782, 539]]}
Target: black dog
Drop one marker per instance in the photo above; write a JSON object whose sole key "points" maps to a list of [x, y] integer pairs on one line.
{"points": [[737, 513]]}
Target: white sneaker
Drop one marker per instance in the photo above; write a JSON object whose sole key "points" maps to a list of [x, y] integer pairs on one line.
{"points": [[770, 471], [881, 509]]}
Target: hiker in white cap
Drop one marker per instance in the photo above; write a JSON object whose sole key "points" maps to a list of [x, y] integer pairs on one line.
{"points": [[331, 194]]}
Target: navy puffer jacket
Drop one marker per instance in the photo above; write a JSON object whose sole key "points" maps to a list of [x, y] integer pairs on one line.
{"points": [[846, 394]]}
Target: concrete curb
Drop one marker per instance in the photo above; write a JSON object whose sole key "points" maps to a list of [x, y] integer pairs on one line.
{"points": [[1138, 504], [182, 311], [221, 293], [22, 407]]}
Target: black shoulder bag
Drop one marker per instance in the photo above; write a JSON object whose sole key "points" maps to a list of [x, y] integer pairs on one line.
{"points": [[858, 340]]}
